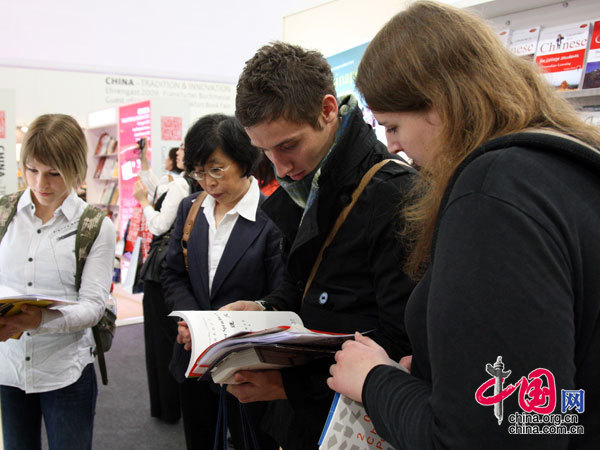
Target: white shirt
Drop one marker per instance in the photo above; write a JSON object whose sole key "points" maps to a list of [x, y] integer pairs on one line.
{"points": [[218, 236], [154, 184], [38, 258], [160, 221]]}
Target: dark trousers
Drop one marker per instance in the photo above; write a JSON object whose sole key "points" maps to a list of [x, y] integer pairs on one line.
{"points": [[160, 332], [200, 406], [68, 415]]}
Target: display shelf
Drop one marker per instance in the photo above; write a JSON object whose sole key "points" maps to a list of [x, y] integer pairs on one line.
{"points": [[102, 187], [583, 97]]}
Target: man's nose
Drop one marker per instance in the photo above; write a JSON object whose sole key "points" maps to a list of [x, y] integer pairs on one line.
{"points": [[282, 166]]}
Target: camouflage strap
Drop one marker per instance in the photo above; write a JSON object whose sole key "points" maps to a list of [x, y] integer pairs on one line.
{"points": [[8, 209], [88, 229]]}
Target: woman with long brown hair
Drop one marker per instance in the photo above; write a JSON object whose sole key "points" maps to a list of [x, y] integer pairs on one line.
{"points": [[504, 226]]}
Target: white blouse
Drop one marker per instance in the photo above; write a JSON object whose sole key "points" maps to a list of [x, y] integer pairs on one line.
{"points": [[159, 222], [218, 236], [38, 258]]}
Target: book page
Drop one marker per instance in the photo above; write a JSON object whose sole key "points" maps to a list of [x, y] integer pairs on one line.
{"points": [[209, 327], [10, 295]]}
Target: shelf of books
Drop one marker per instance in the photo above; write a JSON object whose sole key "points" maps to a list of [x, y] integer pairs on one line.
{"points": [[569, 56], [102, 179]]}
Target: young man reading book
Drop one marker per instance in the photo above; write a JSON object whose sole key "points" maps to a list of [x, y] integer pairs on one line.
{"points": [[321, 148]]}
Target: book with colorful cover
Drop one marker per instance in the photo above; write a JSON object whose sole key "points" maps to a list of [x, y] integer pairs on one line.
{"points": [[523, 42], [561, 54], [217, 334], [591, 78], [348, 426]]}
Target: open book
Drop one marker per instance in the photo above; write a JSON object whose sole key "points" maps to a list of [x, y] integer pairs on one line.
{"points": [[11, 302], [224, 342]]}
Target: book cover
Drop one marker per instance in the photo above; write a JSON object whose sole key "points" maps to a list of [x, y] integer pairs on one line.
{"points": [[264, 357], [99, 167], [348, 426], [215, 334], [108, 168], [561, 54], [591, 79], [523, 42]]}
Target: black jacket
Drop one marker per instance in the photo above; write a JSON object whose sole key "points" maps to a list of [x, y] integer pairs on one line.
{"points": [[514, 274], [359, 285]]}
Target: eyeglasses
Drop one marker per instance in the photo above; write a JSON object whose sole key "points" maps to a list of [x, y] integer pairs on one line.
{"points": [[215, 172]]}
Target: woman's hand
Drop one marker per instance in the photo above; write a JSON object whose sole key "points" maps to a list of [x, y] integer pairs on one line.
{"points": [[183, 335], [353, 363], [140, 192], [29, 318]]}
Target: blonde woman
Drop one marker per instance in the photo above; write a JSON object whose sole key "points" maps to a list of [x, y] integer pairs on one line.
{"points": [[48, 372], [505, 321]]}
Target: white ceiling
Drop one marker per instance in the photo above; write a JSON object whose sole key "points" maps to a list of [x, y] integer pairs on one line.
{"points": [[199, 40]]}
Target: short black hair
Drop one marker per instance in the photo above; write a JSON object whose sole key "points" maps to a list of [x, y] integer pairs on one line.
{"points": [[218, 131]]}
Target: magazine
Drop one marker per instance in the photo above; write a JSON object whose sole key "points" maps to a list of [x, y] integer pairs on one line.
{"points": [[348, 426], [561, 54]]}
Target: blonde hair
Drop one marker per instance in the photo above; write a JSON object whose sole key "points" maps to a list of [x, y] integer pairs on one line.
{"points": [[441, 57], [57, 140]]}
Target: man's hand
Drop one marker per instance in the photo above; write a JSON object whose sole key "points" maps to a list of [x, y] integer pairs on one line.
{"points": [[183, 335], [353, 363], [29, 318], [257, 386], [241, 305]]}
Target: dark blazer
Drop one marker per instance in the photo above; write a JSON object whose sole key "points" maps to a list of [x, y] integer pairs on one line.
{"points": [[250, 268]]}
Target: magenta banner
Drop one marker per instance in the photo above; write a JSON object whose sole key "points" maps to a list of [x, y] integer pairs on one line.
{"points": [[134, 124]]}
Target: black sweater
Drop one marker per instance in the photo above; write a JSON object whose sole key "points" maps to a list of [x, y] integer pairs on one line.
{"points": [[514, 274]]}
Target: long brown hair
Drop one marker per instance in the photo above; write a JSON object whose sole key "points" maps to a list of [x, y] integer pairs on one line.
{"points": [[441, 57]]}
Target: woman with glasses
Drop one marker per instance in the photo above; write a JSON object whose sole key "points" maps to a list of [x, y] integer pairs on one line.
{"points": [[232, 253]]}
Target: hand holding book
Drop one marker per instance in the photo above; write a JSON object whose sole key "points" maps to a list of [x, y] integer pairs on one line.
{"points": [[20, 313], [353, 364], [22, 317]]}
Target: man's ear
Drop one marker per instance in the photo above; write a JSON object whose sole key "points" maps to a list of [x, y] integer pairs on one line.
{"points": [[329, 109]]}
